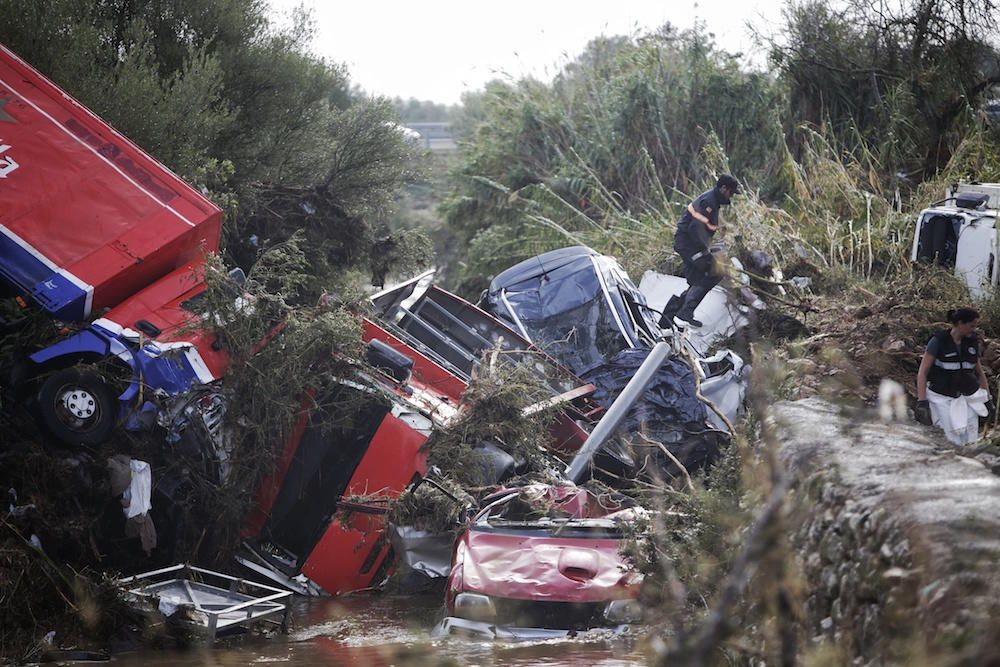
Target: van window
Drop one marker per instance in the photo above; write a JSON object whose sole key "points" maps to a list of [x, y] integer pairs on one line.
{"points": [[938, 239]]}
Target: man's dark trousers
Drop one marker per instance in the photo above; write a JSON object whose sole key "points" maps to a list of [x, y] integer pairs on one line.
{"points": [[700, 275]]}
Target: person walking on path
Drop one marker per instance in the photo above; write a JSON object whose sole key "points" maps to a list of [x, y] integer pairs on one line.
{"points": [[952, 391], [694, 233]]}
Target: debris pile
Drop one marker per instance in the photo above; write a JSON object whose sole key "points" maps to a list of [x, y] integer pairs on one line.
{"points": [[552, 457]]}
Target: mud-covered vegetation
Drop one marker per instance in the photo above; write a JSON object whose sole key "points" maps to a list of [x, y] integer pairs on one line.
{"points": [[497, 400], [496, 415]]}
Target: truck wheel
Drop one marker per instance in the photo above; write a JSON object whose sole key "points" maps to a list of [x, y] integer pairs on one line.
{"points": [[77, 407]]}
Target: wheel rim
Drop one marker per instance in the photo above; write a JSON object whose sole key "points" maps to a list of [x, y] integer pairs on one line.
{"points": [[77, 408]]}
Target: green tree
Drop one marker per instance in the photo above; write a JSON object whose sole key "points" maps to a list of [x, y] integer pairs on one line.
{"points": [[423, 111], [604, 145], [233, 104], [896, 77], [176, 114]]}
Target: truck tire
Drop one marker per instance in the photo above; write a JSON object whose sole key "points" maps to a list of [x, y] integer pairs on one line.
{"points": [[77, 407]]}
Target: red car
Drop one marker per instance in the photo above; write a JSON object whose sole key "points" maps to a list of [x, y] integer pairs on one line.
{"points": [[543, 561]]}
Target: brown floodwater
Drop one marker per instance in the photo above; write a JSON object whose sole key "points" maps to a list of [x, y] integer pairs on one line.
{"points": [[383, 630]]}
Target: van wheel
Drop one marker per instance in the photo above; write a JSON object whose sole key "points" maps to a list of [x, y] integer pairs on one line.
{"points": [[77, 407]]}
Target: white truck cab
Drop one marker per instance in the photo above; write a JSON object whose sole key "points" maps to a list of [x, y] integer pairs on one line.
{"points": [[960, 231]]}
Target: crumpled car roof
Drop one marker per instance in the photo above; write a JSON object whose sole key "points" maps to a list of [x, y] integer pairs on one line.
{"points": [[574, 302]]}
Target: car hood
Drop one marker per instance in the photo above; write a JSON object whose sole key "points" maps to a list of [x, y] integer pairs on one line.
{"points": [[520, 565]]}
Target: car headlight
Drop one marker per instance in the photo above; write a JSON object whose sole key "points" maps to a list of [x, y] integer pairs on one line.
{"points": [[623, 611], [474, 607]]}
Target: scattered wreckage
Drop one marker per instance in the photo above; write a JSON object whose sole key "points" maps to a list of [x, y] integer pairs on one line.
{"points": [[308, 531], [206, 603], [130, 278], [423, 345], [520, 571]]}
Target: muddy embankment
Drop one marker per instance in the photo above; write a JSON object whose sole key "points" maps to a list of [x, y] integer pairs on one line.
{"points": [[898, 537]]}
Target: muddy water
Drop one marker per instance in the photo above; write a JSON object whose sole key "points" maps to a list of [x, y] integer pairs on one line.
{"points": [[386, 630]]}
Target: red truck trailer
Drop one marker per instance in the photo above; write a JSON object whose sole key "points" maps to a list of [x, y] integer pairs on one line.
{"points": [[87, 218]]}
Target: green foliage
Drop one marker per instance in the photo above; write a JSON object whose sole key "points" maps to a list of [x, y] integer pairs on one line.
{"points": [[584, 160], [610, 152], [285, 103], [263, 330], [368, 158], [695, 534], [215, 178], [977, 159], [424, 111], [401, 254], [175, 118], [896, 80]]}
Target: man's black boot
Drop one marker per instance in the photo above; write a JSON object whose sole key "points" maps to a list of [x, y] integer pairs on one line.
{"points": [[681, 323], [669, 310]]}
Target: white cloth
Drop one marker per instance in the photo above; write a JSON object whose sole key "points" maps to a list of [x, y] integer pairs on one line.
{"points": [[140, 489], [958, 417]]}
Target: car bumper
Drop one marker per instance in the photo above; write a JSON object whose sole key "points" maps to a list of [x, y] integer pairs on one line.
{"points": [[454, 626]]}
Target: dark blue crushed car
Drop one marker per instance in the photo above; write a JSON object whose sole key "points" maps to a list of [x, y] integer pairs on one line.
{"points": [[582, 308], [575, 303]]}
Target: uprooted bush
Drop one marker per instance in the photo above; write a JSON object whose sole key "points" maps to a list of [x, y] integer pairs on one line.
{"points": [[495, 411], [283, 354], [435, 508]]}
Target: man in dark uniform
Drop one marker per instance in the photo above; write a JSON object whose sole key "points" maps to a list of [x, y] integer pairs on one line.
{"points": [[694, 234]]}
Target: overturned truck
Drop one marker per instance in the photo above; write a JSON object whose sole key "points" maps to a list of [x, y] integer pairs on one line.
{"points": [[93, 228]]}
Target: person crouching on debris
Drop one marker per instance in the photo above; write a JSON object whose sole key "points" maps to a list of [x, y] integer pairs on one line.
{"points": [[695, 230], [952, 391]]}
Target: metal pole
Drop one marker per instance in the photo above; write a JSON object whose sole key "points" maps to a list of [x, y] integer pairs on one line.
{"points": [[612, 419]]}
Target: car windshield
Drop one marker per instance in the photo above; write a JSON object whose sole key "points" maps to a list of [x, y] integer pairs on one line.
{"points": [[581, 337], [577, 305], [567, 527]]}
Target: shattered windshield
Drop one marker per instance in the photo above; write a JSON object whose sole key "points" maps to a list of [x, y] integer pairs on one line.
{"points": [[577, 528], [581, 337]]}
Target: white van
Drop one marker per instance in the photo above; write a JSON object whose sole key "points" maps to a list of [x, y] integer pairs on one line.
{"points": [[960, 231]]}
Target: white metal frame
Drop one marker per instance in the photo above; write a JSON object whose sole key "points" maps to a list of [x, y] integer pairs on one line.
{"points": [[266, 608]]}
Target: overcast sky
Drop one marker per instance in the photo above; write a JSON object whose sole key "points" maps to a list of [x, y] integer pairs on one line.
{"points": [[438, 49]]}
